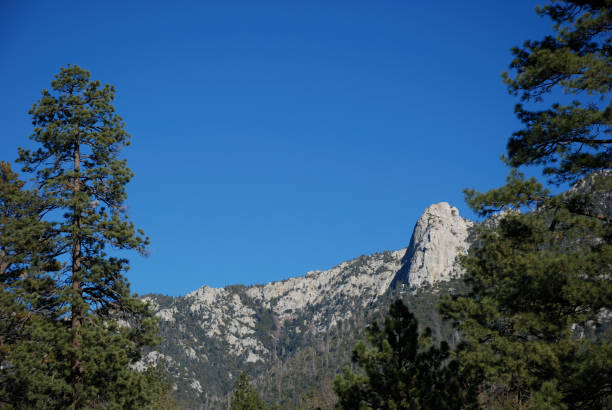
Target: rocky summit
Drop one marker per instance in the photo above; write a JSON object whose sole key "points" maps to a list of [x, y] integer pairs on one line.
{"points": [[211, 335], [439, 236]]}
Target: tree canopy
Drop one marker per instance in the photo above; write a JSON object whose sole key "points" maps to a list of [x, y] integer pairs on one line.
{"points": [[245, 397], [82, 329], [573, 68], [534, 323], [402, 370]]}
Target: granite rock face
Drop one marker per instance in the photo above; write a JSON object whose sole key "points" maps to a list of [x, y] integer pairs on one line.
{"points": [[439, 236]]}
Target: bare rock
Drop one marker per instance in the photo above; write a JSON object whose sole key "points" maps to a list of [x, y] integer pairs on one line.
{"points": [[439, 236]]}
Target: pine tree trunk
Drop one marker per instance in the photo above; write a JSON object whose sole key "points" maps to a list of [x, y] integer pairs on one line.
{"points": [[3, 264], [76, 282]]}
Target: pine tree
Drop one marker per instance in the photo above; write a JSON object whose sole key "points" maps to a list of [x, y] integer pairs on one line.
{"points": [[572, 137], [97, 328], [27, 289], [25, 237], [245, 397], [402, 370], [539, 272]]}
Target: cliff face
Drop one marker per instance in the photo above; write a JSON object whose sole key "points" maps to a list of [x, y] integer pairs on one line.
{"points": [[212, 334], [439, 236]]}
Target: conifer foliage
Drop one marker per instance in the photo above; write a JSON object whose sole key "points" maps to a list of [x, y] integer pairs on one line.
{"points": [[26, 258], [402, 370], [90, 328], [245, 397], [571, 137], [535, 322]]}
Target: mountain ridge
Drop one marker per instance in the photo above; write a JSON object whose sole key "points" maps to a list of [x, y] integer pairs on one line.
{"points": [[211, 334]]}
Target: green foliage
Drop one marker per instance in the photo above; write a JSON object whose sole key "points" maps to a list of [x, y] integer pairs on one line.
{"points": [[158, 388], [74, 328], [27, 240], [402, 370], [245, 397], [535, 290], [540, 280], [27, 293], [516, 194], [571, 138]]}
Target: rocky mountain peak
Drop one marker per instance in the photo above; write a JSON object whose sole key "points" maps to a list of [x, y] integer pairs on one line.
{"points": [[439, 236]]}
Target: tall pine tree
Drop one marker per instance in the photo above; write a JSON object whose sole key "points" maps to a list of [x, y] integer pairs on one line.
{"points": [[97, 328], [534, 324]]}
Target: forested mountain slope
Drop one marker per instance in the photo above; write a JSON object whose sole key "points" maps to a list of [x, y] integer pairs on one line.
{"points": [[292, 336]]}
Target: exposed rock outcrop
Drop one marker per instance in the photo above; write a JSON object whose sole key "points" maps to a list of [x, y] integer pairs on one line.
{"points": [[597, 191], [439, 236]]}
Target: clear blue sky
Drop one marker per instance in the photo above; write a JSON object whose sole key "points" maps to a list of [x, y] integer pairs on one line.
{"points": [[272, 138]]}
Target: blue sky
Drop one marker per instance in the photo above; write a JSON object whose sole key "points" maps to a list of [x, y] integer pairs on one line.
{"points": [[273, 138]]}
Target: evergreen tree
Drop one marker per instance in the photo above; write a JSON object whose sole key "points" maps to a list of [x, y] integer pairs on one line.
{"points": [[245, 397], [96, 328], [540, 271], [27, 291], [572, 137], [26, 239], [402, 370]]}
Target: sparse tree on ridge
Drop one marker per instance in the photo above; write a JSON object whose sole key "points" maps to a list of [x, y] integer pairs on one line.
{"points": [[540, 273], [245, 397]]}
